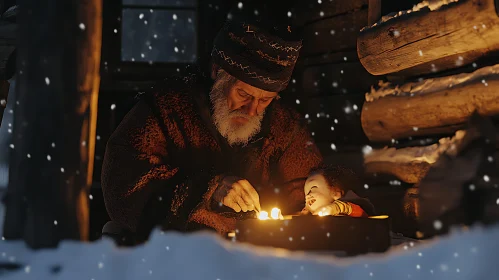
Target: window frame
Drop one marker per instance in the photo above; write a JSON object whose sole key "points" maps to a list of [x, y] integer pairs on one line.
{"points": [[113, 68]]}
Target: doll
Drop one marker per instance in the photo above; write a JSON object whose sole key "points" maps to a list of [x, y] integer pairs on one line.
{"points": [[328, 192]]}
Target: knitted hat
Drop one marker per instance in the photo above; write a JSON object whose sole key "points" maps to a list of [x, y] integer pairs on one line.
{"points": [[257, 50]]}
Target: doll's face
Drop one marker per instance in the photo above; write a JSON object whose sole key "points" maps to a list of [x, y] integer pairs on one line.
{"points": [[318, 193]]}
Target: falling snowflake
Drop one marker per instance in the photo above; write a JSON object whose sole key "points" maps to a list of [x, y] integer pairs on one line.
{"points": [[291, 239], [335, 84], [82, 26], [174, 17], [240, 5], [486, 178], [53, 145], [418, 266], [115, 30], [336, 121], [437, 225], [474, 65], [100, 265], [55, 222], [367, 150], [62, 169], [47, 81], [141, 16], [297, 101], [366, 186], [332, 32], [355, 107], [347, 109], [11, 146], [490, 159], [176, 49], [420, 53], [90, 196], [333, 147], [49, 157], [306, 116], [27, 269], [28, 155], [472, 187], [332, 128], [289, 14], [321, 13], [113, 106]]}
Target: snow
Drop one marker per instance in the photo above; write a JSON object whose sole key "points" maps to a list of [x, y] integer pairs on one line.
{"points": [[431, 85], [429, 154], [432, 5], [468, 254]]}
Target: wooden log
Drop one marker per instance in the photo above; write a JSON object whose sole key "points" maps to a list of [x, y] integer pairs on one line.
{"points": [[430, 107], [333, 34], [428, 41], [54, 128], [310, 11]]}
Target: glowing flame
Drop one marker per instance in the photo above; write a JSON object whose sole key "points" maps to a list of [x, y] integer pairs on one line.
{"points": [[275, 214], [264, 215]]}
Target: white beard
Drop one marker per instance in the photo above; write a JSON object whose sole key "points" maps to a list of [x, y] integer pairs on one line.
{"points": [[222, 117]]}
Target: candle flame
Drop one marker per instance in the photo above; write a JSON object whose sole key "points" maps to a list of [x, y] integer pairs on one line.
{"points": [[275, 214], [264, 215]]}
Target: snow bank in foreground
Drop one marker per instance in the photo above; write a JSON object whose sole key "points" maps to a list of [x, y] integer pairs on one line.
{"points": [[464, 255]]}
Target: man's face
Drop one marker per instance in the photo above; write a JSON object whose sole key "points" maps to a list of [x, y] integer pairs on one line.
{"points": [[239, 110], [318, 193]]}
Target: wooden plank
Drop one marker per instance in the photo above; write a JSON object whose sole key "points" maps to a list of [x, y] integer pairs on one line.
{"points": [[335, 120], [441, 106], [54, 122], [337, 79], [333, 34], [310, 11], [452, 36]]}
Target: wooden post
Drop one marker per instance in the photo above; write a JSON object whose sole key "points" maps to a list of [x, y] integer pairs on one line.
{"points": [[54, 129], [374, 11]]}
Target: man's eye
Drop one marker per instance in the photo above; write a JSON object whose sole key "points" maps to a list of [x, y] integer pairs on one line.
{"points": [[243, 94]]}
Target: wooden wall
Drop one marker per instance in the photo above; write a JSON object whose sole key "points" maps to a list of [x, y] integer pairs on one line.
{"points": [[330, 78]]}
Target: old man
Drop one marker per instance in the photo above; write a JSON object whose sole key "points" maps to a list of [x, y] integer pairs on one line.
{"points": [[202, 154]]}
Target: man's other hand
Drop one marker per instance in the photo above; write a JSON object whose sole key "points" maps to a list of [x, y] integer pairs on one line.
{"points": [[237, 194]]}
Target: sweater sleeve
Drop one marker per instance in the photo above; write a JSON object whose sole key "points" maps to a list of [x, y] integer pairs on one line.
{"points": [[135, 166], [357, 211]]}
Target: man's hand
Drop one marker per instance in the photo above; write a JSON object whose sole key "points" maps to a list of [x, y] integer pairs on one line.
{"points": [[238, 194]]}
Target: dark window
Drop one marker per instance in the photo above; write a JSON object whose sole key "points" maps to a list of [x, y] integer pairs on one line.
{"points": [[159, 31]]}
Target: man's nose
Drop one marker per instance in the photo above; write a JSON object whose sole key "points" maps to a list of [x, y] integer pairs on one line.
{"points": [[251, 108]]}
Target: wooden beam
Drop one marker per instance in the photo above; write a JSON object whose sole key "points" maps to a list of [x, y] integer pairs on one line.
{"points": [[430, 107], [310, 11], [54, 129], [333, 34], [449, 37], [374, 11]]}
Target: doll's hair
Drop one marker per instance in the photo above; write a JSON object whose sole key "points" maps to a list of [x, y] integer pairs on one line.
{"points": [[343, 178]]}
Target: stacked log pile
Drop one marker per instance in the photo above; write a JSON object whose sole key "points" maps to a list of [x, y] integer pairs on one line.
{"points": [[431, 55]]}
